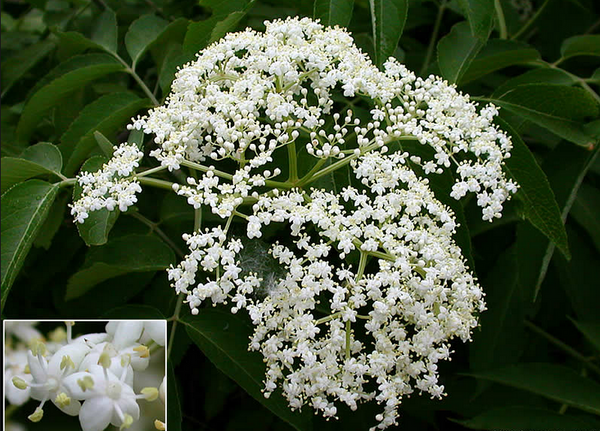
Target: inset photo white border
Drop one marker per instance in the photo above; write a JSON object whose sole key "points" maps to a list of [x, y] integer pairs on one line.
{"points": [[87, 374]]}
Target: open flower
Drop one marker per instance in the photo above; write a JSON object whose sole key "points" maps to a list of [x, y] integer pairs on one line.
{"points": [[107, 398]]}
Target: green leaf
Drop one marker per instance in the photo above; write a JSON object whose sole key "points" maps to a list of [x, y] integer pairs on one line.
{"points": [[498, 54], [24, 209], [16, 66], [333, 12], [548, 76], [586, 211], [142, 32], [124, 255], [39, 159], [456, 51], [72, 43], [225, 16], [387, 19], [97, 226], [565, 167], [591, 331], [480, 14], [539, 204], [501, 338], [56, 216], [558, 108], [105, 145], [106, 31], [48, 96], [173, 400], [580, 45], [223, 338], [133, 312], [556, 382], [524, 418], [107, 115], [578, 277]]}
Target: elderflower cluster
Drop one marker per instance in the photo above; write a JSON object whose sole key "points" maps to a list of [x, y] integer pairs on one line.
{"points": [[109, 187], [92, 376], [409, 294], [367, 287]]}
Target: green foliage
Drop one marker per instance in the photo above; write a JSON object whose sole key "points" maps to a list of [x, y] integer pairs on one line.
{"points": [[24, 209], [556, 382], [75, 73], [334, 12], [39, 159], [387, 19], [124, 255], [456, 52]]}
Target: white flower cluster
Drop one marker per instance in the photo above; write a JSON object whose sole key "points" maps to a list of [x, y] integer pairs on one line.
{"points": [[371, 287], [409, 295], [109, 187], [252, 93], [92, 376]]}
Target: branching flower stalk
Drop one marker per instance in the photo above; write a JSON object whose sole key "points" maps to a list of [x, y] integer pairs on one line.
{"points": [[258, 118]]}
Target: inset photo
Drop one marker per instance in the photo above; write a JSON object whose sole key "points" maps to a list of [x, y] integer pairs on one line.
{"points": [[91, 375]]}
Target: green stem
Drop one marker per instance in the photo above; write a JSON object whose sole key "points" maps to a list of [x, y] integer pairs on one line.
{"points": [[292, 162], [434, 37], [580, 81], [224, 175], [328, 318], [175, 319], [175, 316], [197, 219], [564, 347], [348, 338], [155, 228], [501, 21], [137, 79], [530, 22], [153, 182], [333, 167], [67, 182], [150, 171]]}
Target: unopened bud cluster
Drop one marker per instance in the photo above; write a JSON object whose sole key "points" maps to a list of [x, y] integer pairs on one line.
{"points": [[371, 287]]}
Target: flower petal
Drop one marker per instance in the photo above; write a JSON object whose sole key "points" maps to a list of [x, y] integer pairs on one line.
{"points": [[96, 413]]}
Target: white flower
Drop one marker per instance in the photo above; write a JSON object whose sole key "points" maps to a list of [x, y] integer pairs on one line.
{"points": [[111, 186], [48, 376], [107, 399]]}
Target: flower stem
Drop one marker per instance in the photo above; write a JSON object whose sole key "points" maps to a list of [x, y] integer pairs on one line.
{"points": [[501, 21], [564, 347], [293, 162], [153, 182], [434, 37], [155, 228], [530, 22]]}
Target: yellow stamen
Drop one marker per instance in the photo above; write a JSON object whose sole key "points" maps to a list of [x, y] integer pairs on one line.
{"points": [[127, 422], [143, 351], [150, 393], [159, 425], [66, 362], [19, 383], [104, 360], [58, 335], [37, 415], [86, 383], [38, 348], [62, 400], [125, 359]]}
